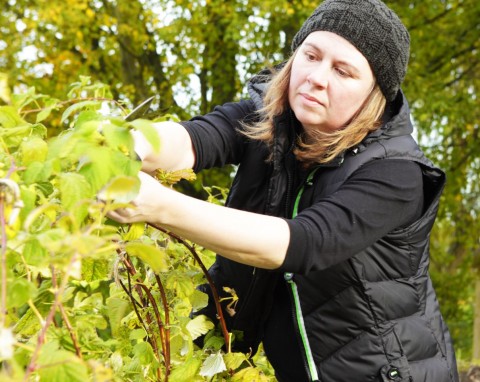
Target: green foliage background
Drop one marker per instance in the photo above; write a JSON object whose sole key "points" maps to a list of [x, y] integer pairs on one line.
{"points": [[196, 54]]}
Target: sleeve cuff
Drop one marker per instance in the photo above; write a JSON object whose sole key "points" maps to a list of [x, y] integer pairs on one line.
{"points": [[295, 260]]}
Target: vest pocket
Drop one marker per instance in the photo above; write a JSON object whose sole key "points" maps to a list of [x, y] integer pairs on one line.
{"points": [[397, 369]]}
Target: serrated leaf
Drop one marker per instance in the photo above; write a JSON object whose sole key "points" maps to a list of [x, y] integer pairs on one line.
{"points": [[117, 309], [135, 231], [181, 283], [117, 136], [147, 128], [47, 110], [169, 178], [121, 189], [186, 371], [214, 364], [10, 118], [199, 326], [19, 292], [34, 253], [95, 269], [77, 107], [199, 300], [33, 149], [137, 334], [48, 211], [249, 374], [73, 188], [153, 256], [144, 353], [58, 365], [98, 166], [214, 342], [234, 360], [37, 172]]}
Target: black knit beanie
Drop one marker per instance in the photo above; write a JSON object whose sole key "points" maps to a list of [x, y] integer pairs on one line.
{"points": [[374, 29]]}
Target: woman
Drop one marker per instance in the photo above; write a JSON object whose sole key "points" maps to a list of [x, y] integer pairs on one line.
{"points": [[325, 237]]}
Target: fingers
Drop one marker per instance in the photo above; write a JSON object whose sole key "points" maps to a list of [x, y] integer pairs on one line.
{"points": [[123, 215]]}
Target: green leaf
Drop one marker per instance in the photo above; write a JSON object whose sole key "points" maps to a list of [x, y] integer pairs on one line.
{"points": [[155, 257], [121, 189], [34, 253], [19, 292], [214, 342], [199, 326], [73, 189], [96, 166], [58, 365], [47, 110], [117, 136], [214, 364], [147, 128], [186, 371], [144, 353], [199, 300], [37, 172], [117, 309], [234, 360], [181, 283], [33, 149], [77, 107], [95, 269], [249, 374], [10, 118], [135, 231], [29, 197], [137, 334]]}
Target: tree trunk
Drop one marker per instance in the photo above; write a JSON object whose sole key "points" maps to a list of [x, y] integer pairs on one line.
{"points": [[476, 325]]}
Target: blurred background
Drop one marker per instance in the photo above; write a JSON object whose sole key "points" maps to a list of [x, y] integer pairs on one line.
{"points": [[195, 54]]}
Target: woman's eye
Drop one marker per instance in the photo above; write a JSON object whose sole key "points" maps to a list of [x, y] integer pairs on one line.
{"points": [[342, 72], [310, 57]]}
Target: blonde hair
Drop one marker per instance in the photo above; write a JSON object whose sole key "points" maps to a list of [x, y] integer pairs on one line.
{"points": [[318, 147]]}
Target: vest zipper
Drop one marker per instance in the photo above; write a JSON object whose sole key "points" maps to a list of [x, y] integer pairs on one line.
{"points": [[300, 326], [297, 309]]}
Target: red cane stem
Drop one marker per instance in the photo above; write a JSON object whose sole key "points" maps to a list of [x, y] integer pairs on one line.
{"points": [[216, 297]]}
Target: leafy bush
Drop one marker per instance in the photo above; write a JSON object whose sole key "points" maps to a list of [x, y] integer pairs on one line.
{"points": [[83, 298]]}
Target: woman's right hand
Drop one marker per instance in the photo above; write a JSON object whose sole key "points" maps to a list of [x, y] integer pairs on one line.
{"points": [[148, 204], [176, 150]]}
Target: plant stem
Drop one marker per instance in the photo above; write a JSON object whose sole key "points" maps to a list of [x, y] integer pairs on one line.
{"points": [[216, 297], [51, 315], [131, 272]]}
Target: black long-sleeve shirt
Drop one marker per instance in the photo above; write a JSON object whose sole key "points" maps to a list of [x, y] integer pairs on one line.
{"points": [[379, 197]]}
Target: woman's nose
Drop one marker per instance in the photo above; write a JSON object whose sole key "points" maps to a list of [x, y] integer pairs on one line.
{"points": [[319, 76]]}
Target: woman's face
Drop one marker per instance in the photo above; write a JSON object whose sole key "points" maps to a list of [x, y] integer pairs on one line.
{"points": [[330, 80]]}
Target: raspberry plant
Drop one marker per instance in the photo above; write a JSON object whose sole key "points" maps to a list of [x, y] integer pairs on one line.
{"points": [[83, 298]]}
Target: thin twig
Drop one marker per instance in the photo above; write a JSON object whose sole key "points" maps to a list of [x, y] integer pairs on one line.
{"points": [[62, 103]]}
